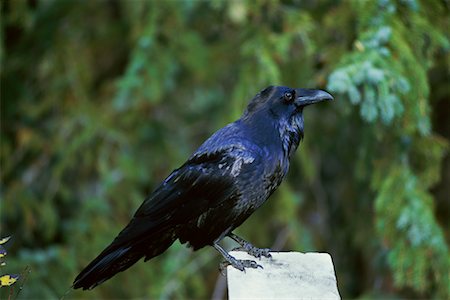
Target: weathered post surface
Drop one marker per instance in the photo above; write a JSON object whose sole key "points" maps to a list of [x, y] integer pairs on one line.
{"points": [[286, 275]]}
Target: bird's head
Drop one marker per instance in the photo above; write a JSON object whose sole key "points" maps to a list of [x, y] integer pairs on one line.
{"points": [[281, 107], [284, 102]]}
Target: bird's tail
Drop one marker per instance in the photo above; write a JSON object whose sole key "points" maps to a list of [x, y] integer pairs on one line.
{"points": [[117, 258]]}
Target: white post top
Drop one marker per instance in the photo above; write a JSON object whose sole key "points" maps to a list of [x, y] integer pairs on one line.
{"points": [[286, 275]]}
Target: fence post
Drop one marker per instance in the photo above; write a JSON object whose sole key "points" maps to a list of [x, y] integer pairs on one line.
{"points": [[286, 275]]}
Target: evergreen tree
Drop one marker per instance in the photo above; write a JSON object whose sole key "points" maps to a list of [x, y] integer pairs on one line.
{"points": [[101, 100]]}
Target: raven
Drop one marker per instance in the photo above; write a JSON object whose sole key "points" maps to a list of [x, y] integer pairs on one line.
{"points": [[229, 176]]}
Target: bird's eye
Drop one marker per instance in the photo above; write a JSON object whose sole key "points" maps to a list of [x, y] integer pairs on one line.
{"points": [[288, 97]]}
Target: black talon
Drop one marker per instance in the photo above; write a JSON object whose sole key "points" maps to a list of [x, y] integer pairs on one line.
{"points": [[260, 252], [239, 264], [249, 248], [252, 264]]}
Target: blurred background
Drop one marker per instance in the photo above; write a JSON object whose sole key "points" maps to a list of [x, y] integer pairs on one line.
{"points": [[100, 100]]}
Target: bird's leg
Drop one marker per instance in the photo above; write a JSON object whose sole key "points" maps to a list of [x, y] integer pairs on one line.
{"points": [[249, 248], [239, 264]]}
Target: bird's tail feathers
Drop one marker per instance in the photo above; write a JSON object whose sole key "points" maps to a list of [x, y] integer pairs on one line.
{"points": [[115, 259]]}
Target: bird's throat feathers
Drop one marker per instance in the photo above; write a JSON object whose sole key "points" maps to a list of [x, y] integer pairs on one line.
{"points": [[291, 133]]}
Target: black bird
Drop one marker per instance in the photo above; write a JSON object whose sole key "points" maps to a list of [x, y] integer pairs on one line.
{"points": [[217, 189]]}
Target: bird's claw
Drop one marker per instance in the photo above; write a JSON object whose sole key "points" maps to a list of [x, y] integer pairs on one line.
{"points": [[239, 264], [257, 252], [253, 251], [249, 248], [251, 264]]}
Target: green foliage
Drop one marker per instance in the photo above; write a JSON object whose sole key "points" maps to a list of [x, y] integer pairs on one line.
{"points": [[101, 100], [406, 223], [385, 75]]}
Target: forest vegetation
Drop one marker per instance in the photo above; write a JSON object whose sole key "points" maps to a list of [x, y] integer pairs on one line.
{"points": [[101, 100]]}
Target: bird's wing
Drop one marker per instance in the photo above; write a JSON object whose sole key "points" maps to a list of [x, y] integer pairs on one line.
{"points": [[203, 182]]}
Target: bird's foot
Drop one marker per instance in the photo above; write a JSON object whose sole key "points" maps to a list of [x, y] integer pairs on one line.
{"points": [[239, 264], [249, 248], [255, 252]]}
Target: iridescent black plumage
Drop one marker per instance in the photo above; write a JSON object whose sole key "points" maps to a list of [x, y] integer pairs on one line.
{"points": [[217, 189]]}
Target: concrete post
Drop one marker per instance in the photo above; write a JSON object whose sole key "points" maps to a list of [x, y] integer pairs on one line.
{"points": [[286, 275]]}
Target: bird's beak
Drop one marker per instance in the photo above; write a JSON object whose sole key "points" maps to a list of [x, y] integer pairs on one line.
{"points": [[307, 96]]}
